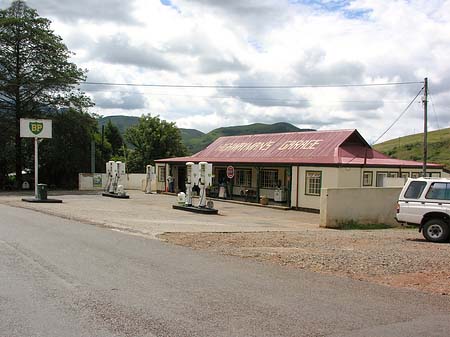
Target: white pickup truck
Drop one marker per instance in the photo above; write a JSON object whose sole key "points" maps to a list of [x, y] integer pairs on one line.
{"points": [[426, 202]]}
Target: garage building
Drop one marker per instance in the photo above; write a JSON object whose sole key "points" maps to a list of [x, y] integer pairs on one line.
{"points": [[291, 168]]}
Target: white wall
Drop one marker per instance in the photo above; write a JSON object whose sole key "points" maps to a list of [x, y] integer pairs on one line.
{"points": [[329, 179], [362, 205], [132, 181]]}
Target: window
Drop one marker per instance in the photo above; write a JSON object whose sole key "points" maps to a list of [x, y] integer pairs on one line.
{"points": [[380, 178], [415, 189], [440, 191], [382, 175], [405, 175], [269, 178], [243, 178], [313, 182], [367, 178], [416, 174], [161, 173]]}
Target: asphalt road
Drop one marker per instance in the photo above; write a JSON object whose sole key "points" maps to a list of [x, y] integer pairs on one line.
{"points": [[64, 278]]}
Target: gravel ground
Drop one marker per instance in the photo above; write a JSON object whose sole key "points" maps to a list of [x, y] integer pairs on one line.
{"points": [[395, 257]]}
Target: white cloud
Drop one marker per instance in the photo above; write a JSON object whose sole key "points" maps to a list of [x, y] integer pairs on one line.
{"points": [[263, 42]]}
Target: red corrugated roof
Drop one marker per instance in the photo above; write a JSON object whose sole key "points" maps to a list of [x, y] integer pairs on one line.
{"points": [[315, 147]]}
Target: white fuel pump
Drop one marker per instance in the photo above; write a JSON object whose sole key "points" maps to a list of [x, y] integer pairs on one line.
{"points": [[151, 174], [114, 171], [119, 171], [191, 178], [204, 181], [109, 176]]}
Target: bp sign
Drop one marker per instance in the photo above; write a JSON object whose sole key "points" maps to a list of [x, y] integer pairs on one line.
{"points": [[35, 128], [230, 172]]}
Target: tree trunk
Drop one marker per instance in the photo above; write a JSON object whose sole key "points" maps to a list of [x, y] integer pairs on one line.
{"points": [[18, 183]]}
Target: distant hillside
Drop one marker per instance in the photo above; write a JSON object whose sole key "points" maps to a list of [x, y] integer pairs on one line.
{"points": [[122, 122], [411, 147], [196, 140], [188, 135], [199, 143]]}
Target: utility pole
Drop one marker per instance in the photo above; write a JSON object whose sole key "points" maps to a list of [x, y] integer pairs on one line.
{"points": [[425, 125]]}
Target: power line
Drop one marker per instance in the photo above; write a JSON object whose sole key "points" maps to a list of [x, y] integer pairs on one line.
{"points": [[251, 86], [434, 111], [400, 116], [252, 98]]}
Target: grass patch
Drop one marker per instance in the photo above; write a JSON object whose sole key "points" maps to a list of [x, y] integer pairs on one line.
{"points": [[353, 225]]}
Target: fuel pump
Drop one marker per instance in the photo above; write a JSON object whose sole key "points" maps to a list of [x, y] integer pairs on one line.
{"points": [[119, 170], [114, 171], [151, 173], [109, 176], [204, 181], [191, 177]]}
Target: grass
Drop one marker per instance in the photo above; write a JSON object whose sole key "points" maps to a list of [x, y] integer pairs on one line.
{"points": [[411, 147], [354, 225]]}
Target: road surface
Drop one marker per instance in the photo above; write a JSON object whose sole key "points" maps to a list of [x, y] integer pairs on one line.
{"points": [[65, 278]]}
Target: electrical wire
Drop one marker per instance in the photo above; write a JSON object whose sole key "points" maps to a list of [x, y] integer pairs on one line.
{"points": [[400, 116], [434, 111], [252, 98], [250, 86]]}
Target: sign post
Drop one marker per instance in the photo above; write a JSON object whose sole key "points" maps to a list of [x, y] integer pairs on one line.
{"points": [[37, 129]]}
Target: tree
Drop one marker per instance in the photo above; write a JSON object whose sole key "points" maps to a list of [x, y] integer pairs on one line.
{"points": [[69, 151], [112, 134], [35, 72], [152, 138]]}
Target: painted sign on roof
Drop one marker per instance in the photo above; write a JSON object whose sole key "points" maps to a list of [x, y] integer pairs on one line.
{"points": [[277, 145], [344, 147]]}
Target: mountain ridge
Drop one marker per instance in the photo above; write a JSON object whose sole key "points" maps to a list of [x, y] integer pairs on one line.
{"points": [[196, 140]]}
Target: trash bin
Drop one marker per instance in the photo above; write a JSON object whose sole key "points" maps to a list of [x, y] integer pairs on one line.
{"points": [[42, 191]]}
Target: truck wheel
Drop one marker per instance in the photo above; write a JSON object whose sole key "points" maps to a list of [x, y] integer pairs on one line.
{"points": [[436, 230]]}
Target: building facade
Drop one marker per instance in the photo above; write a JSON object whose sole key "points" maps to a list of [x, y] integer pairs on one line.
{"points": [[290, 169]]}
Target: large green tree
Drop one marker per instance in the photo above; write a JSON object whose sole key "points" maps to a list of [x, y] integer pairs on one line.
{"points": [[112, 134], [69, 151], [36, 74], [152, 138]]}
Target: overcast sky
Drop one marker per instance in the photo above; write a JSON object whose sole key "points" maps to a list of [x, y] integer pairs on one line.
{"points": [[262, 43]]}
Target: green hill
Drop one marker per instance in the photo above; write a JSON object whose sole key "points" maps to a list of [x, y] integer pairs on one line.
{"points": [[411, 147], [199, 143], [196, 140], [189, 135], [122, 122]]}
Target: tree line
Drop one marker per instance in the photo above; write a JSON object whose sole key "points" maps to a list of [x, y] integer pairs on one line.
{"points": [[37, 80]]}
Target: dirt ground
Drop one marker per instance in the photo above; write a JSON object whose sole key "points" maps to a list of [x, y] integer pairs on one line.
{"points": [[394, 257]]}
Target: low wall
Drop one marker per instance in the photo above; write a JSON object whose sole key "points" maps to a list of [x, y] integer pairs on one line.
{"points": [[361, 205], [97, 181]]}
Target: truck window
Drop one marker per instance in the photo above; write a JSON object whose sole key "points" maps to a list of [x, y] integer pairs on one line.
{"points": [[440, 191], [415, 189]]}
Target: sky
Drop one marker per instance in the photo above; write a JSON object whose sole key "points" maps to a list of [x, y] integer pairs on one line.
{"points": [[302, 46]]}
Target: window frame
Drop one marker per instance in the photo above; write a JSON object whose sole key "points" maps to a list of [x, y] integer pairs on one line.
{"points": [[247, 174], [370, 174], [161, 174], [275, 180], [308, 184]]}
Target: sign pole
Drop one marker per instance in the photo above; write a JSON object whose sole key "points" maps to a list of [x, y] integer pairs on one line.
{"points": [[36, 166], [37, 129]]}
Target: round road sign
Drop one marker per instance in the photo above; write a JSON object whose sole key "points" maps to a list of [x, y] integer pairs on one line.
{"points": [[230, 172]]}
